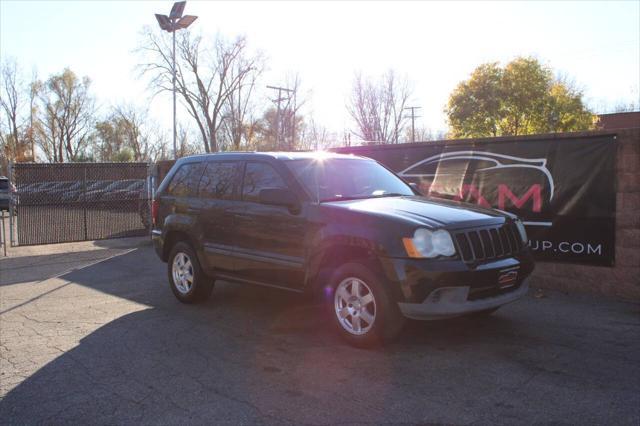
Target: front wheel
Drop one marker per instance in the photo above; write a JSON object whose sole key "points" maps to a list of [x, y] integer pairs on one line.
{"points": [[362, 307], [188, 281]]}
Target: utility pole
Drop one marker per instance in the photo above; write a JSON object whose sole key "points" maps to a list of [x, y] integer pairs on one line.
{"points": [[413, 122], [293, 123], [279, 109]]}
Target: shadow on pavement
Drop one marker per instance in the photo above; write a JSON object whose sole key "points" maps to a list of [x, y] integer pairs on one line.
{"points": [[28, 269], [255, 355]]}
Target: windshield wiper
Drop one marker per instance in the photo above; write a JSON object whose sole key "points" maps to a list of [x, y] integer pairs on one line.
{"points": [[364, 197], [391, 194], [359, 197]]}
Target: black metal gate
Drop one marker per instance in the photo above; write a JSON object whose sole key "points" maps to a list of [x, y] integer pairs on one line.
{"points": [[58, 203]]}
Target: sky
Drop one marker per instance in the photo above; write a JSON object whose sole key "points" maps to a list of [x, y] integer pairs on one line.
{"points": [[435, 44]]}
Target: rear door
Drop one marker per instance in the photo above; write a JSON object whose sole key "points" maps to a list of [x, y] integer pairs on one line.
{"points": [[269, 240], [179, 202], [218, 193]]}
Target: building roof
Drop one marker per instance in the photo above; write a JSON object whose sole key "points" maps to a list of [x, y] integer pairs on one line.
{"points": [[619, 120]]}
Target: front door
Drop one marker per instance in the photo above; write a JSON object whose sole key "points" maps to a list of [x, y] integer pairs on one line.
{"points": [[269, 239], [218, 192]]}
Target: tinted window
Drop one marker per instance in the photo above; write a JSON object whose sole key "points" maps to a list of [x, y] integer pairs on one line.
{"points": [[185, 182], [257, 177], [4, 184], [218, 180], [335, 179]]}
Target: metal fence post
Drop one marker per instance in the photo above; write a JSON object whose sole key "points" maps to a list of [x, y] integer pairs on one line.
{"points": [[84, 204], [150, 194], [3, 234], [11, 207]]}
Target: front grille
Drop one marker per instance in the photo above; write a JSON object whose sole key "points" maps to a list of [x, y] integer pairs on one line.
{"points": [[488, 243]]}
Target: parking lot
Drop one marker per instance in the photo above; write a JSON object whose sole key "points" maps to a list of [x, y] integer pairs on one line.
{"points": [[91, 334]]}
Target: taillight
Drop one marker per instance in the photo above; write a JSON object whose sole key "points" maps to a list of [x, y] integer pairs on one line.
{"points": [[154, 212]]}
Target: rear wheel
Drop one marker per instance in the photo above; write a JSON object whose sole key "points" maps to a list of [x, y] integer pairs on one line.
{"points": [[187, 280], [362, 308]]}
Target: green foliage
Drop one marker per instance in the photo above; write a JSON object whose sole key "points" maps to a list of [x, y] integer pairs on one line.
{"points": [[124, 155], [521, 98], [83, 158], [263, 135]]}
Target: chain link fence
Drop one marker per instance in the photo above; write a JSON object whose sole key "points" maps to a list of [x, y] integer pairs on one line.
{"points": [[58, 203]]}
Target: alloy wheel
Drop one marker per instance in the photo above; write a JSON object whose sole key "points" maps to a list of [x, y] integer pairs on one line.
{"points": [[182, 271], [355, 306]]}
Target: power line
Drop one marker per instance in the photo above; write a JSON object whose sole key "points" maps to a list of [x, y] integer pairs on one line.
{"points": [[413, 120], [278, 100]]}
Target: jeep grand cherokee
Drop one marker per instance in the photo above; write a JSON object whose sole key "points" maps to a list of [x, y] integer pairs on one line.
{"points": [[342, 227]]}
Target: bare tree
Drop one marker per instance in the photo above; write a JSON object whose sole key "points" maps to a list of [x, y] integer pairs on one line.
{"points": [[266, 129], [622, 106], [282, 130], [159, 144], [9, 100], [13, 143], [315, 136], [125, 128], [377, 107], [424, 134], [133, 122], [65, 119], [239, 120], [206, 76], [292, 122]]}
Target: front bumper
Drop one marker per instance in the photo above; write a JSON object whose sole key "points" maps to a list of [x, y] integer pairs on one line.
{"points": [[448, 302], [441, 288]]}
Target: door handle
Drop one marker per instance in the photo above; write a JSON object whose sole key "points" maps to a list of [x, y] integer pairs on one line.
{"points": [[193, 210]]}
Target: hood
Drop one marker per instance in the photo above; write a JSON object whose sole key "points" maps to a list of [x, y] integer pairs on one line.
{"points": [[422, 211]]}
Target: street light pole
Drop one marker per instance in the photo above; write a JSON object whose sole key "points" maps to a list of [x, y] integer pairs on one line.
{"points": [[175, 132], [172, 23]]}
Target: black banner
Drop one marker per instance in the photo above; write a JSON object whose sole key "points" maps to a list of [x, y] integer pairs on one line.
{"points": [[562, 188]]}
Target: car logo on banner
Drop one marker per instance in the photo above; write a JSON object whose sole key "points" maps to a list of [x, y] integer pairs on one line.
{"points": [[452, 167]]}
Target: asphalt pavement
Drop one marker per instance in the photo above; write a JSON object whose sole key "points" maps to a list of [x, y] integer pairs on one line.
{"points": [[96, 337]]}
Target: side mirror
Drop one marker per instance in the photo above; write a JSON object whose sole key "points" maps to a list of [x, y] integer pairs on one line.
{"points": [[278, 197]]}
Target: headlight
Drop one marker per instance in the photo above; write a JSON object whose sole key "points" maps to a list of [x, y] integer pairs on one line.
{"points": [[427, 243], [522, 231]]}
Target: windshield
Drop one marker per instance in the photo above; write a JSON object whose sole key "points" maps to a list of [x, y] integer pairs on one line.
{"points": [[341, 179]]}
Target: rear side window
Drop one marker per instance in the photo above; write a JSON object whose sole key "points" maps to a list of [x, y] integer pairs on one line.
{"points": [[258, 176], [218, 180], [185, 181]]}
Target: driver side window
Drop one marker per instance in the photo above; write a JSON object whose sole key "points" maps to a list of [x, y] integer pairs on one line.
{"points": [[258, 176]]}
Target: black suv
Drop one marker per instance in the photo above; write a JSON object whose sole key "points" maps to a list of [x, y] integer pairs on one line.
{"points": [[341, 227]]}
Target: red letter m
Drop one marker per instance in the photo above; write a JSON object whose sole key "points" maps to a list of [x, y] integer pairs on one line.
{"points": [[535, 192]]}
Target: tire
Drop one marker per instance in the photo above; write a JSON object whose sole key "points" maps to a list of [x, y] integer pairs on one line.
{"points": [[187, 280], [361, 307]]}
